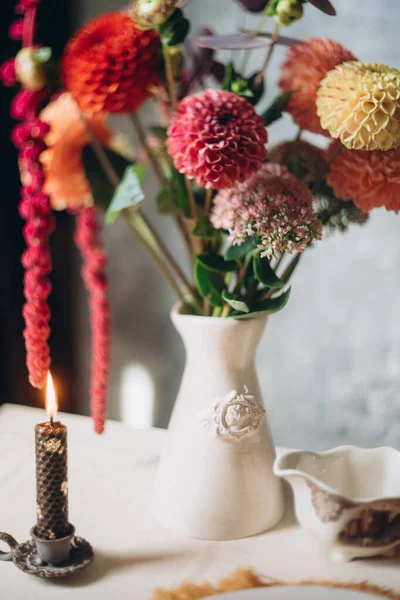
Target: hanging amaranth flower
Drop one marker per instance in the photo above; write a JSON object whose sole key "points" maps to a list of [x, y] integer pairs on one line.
{"points": [[272, 205], [93, 273], [370, 179], [304, 68], [217, 138], [110, 64], [359, 104], [35, 206]]}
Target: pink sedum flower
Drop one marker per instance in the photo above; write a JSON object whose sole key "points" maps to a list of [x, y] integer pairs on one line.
{"points": [[217, 138], [272, 205]]}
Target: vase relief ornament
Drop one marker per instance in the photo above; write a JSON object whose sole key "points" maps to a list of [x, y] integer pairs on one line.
{"points": [[234, 415], [215, 479]]}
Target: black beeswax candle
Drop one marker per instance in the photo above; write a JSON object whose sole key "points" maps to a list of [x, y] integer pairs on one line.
{"points": [[51, 480]]}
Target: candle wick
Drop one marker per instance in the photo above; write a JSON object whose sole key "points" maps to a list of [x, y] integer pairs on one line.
{"points": [[51, 421]]}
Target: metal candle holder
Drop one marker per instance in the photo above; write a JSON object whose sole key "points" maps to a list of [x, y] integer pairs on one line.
{"points": [[49, 558]]}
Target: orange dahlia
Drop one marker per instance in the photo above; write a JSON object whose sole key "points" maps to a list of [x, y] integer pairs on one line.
{"points": [[110, 64], [65, 180], [360, 104], [371, 179], [306, 64]]}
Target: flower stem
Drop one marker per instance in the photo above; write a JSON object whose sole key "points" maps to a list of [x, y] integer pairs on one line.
{"points": [[259, 78], [207, 205], [144, 230], [287, 273], [132, 217], [334, 154], [259, 25], [134, 118], [170, 77], [192, 199], [225, 311]]}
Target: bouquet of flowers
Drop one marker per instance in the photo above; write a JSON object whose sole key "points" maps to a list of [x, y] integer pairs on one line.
{"points": [[246, 210]]}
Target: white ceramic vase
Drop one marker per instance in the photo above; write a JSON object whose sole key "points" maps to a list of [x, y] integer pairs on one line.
{"points": [[215, 479]]}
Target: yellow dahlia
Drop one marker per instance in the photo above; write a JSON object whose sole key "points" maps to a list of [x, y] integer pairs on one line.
{"points": [[359, 103]]}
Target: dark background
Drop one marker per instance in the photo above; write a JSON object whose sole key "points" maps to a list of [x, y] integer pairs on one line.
{"points": [[54, 29]]}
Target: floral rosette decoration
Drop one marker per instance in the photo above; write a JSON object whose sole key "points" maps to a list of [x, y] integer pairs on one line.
{"points": [[246, 211]]}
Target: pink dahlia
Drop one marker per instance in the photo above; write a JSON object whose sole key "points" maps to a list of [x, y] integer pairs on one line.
{"points": [[272, 205], [217, 138]]}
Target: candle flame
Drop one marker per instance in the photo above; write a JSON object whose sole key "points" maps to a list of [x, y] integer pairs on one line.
{"points": [[51, 401]]}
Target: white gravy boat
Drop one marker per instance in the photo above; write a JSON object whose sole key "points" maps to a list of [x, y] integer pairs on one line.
{"points": [[348, 498]]}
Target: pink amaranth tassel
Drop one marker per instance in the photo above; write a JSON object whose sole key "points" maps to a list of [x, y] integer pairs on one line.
{"points": [[36, 210], [93, 273], [35, 206]]}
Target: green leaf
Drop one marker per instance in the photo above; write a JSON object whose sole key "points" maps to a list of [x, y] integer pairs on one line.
{"points": [[234, 82], [102, 189], [279, 105], [236, 303], [265, 274], [230, 76], [175, 29], [216, 263], [204, 229], [235, 252], [209, 284], [128, 193], [166, 204], [179, 191], [272, 6], [257, 92], [173, 198], [159, 132], [265, 307]]}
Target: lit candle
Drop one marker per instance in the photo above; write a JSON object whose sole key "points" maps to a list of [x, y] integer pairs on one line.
{"points": [[51, 473]]}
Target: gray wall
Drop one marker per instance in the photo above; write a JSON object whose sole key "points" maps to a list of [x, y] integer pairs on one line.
{"points": [[329, 364]]}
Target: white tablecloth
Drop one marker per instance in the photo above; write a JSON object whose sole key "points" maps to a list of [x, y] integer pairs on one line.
{"points": [[110, 483]]}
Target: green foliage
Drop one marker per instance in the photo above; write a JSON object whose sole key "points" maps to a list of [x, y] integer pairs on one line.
{"points": [[264, 307], [216, 263], [203, 228], [128, 193], [166, 204], [272, 6], [279, 105], [235, 303], [235, 252], [209, 283], [173, 197], [265, 274], [234, 82], [102, 188], [159, 132], [175, 30]]}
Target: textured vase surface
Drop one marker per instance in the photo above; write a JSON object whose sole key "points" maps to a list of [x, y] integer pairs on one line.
{"points": [[215, 479]]}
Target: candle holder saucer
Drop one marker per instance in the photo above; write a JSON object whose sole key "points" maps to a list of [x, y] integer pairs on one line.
{"points": [[26, 557]]}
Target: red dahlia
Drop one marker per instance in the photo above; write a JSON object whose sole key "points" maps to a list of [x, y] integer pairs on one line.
{"points": [[109, 65], [217, 138]]}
